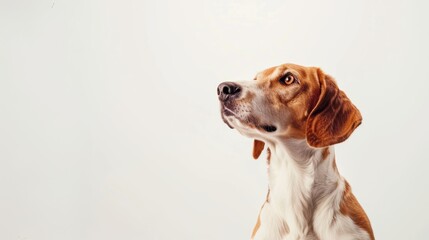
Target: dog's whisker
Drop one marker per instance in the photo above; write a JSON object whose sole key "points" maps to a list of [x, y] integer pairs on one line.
{"points": [[232, 112]]}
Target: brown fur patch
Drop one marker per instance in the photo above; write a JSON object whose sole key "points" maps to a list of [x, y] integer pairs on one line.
{"points": [[267, 198], [258, 222], [302, 72], [258, 146], [334, 117], [325, 153], [334, 165], [349, 206]]}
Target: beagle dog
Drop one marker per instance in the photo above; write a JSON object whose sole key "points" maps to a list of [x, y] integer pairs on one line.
{"points": [[299, 113]]}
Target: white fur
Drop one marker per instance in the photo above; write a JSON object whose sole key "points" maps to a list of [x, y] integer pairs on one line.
{"points": [[292, 175]]}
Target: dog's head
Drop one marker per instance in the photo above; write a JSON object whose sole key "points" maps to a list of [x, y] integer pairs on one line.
{"points": [[289, 102]]}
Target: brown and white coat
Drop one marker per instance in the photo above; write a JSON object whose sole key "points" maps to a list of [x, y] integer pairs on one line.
{"points": [[299, 114]]}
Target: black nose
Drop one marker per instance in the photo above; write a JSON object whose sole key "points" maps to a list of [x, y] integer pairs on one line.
{"points": [[227, 90]]}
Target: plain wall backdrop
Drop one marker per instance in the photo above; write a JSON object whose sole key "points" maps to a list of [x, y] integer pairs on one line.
{"points": [[110, 125]]}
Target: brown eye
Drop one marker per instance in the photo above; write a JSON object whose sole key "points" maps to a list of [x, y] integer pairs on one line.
{"points": [[287, 79]]}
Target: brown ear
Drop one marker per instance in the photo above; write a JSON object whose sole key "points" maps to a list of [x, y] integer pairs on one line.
{"points": [[258, 146], [334, 117]]}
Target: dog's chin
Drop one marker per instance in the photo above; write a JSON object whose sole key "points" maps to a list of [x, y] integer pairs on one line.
{"points": [[225, 115], [242, 125], [235, 123], [226, 121], [245, 125]]}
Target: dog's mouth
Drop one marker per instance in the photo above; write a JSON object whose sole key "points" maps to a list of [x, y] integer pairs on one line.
{"points": [[226, 122], [269, 128], [227, 112]]}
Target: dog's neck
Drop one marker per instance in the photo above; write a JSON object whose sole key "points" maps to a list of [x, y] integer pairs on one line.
{"points": [[300, 178]]}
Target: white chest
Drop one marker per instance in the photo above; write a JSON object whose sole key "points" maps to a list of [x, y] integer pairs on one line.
{"points": [[304, 204]]}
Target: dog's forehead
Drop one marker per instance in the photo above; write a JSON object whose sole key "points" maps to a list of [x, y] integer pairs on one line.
{"points": [[278, 71]]}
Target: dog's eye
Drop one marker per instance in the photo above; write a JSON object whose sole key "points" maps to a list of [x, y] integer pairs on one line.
{"points": [[287, 79]]}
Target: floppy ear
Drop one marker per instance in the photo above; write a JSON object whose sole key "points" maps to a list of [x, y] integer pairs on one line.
{"points": [[334, 117], [258, 146]]}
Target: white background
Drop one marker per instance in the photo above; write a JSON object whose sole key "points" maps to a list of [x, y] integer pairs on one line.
{"points": [[110, 124]]}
